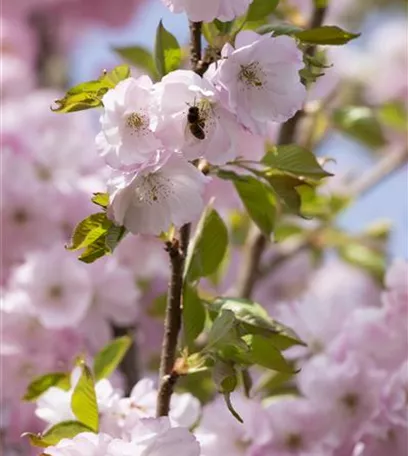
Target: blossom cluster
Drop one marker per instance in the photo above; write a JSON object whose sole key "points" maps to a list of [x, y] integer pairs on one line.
{"points": [[350, 394], [151, 132]]}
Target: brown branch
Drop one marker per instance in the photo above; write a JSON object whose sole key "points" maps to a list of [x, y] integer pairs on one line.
{"points": [[249, 274], [177, 250], [172, 326]]}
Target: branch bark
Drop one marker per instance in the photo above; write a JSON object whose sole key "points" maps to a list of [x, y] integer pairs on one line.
{"points": [[177, 250], [250, 272]]}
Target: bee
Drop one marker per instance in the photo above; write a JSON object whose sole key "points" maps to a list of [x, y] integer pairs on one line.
{"points": [[196, 123]]}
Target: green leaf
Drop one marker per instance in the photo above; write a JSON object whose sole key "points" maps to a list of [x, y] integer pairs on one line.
{"points": [[326, 34], [394, 115], [264, 353], [285, 189], [361, 123], [221, 328], [223, 27], [83, 401], [260, 9], [96, 234], [89, 230], [63, 430], [259, 201], [112, 78], [95, 251], [256, 320], [167, 52], [109, 358], [89, 94], [208, 247], [295, 160], [224, 376], [139, 57], [41, 384], [113, 236], [194, 315], [101, 199], [364, 257], [279, 29]]}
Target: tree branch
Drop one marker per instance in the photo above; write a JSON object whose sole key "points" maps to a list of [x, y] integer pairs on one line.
{"points": [[177, 252], [172, 326], [249, 275]]}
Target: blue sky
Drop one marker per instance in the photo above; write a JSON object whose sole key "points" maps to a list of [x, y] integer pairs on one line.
{"points": [[388, 201]]}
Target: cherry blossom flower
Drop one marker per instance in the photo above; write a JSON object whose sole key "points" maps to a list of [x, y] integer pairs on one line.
{"points": [[224, 10], [123, 414], [57, 286], [150, 437], [298, 428], [220, 433], [261, 79], [167, 190], [126, 138], [175, 95], [348, 390]]}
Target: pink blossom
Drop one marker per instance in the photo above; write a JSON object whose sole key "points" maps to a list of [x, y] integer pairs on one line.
{"points": [[224, 10], [219, 433], [394, 397], [261, 78], [299, 428], [126, 138], [86, 444], [57, 285], [164, 192], [347, 389], [123, 414], [325, 308], [175, 95]]}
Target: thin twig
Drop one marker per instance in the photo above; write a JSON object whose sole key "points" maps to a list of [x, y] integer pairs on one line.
{"points": [[177, 250], [249, 275]]}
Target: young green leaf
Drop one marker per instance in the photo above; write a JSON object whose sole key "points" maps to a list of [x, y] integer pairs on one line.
{"points": [[259, 201], [208, 247], [109, 358], [256, 320], [89, 94], [112, 78], [326, 34], [83, 401], [193, 315], [259, 9], [101, 199], [296, 160], [41, 384], [361, 123], [224, 376], [264, 353], [89, 230], [221, 328], [167, 52], [284, 188], [139, 57], [63, 430]]}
